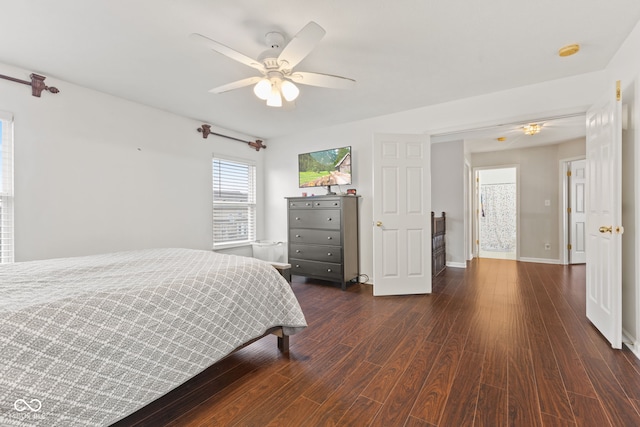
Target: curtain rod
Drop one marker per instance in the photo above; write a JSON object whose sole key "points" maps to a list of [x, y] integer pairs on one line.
{"points": [[206, 131], [36, 83]]}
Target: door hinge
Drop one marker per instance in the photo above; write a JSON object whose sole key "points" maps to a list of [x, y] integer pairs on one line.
{"points": [[568, 173], [477, 242], [568, 210], [569, 246], [618, 91]]}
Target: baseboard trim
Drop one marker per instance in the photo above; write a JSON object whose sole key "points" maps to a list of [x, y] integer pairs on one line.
{"points": [[457, 264], [631, 343], [540, 260]]}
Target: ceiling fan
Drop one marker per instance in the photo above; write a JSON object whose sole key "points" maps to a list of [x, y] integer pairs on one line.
{"points": [[276, 66]]}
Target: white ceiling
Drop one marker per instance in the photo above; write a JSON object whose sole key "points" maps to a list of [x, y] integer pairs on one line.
{"points": [[553, 130], [403, 54]]}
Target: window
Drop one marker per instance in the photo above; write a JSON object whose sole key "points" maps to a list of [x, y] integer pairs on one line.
{"points": [[6, 188], [234, 202]]}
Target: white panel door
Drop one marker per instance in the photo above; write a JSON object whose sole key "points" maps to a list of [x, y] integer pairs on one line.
{"points": [[401, 215], [604, 214], [578, 214]]}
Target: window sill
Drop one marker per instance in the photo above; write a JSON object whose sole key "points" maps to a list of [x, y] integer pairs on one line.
{"points": [[222, 246]]}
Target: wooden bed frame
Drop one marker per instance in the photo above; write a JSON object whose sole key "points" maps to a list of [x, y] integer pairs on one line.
{"points": [[438, 246], [283, 340], [152, 412]]}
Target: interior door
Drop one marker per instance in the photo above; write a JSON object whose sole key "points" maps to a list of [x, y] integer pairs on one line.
{"points": [[578, 212], [401, 214], [498, 212], [604, 214]]}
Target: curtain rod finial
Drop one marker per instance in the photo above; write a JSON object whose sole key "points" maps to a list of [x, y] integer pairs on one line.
{"points": [[205, 130]]}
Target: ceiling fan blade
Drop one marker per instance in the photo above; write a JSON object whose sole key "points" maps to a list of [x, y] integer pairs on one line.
{"points": [[302, 44], [322, 80], [236, 85], [226, 51]]}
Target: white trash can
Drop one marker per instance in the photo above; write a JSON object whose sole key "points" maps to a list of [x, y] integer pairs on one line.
{"points": [[269, 250]]}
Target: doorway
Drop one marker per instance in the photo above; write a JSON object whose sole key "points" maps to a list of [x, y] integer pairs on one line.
{"points": [[574, 210], [497, 213]]}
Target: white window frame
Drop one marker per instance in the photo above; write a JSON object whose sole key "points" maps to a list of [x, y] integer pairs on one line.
{"points": [[6, 190], [250, 205]]}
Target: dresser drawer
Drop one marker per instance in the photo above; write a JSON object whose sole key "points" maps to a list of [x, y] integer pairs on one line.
{"points": [[300, 204], [325, 270], [315, 218], [310, 203], [317, 252], [317, 237], [326, 204]]}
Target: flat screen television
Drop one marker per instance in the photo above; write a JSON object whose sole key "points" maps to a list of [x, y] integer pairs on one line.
{"points": [[325, 168]]}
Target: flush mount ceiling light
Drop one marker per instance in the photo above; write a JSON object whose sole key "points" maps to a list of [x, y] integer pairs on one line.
{"points": [[501, 138], [568, 50], [531, 129]]}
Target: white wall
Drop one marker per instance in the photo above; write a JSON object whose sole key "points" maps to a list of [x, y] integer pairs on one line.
{"points": [[630, 191], [95, 173], [555, 97], [447, 195]]}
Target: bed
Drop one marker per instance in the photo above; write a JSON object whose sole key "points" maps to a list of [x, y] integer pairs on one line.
{"points": [[89, 340]]}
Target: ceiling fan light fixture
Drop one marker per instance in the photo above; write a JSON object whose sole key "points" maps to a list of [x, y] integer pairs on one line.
{"points": [[289, 90], [531, 129], [262, 89], [275, 99]]}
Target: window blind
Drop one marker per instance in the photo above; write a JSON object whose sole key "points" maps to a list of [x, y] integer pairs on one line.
{"points": [[234, 202], [6, 188]]}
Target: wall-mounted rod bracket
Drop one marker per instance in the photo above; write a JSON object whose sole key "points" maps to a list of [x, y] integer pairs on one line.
{"points": [[36, 83], [205, 130]]}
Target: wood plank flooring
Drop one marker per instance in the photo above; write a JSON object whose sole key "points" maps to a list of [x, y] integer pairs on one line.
{"points": [[501, 343]]}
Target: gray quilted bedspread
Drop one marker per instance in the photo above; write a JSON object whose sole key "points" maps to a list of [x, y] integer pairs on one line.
{"points": [[85, 341]]}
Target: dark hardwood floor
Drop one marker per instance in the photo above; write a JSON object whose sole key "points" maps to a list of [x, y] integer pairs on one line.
{"points": [[501, 343]]}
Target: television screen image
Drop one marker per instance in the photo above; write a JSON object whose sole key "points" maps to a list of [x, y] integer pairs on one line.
{"points": [[325, 168]]}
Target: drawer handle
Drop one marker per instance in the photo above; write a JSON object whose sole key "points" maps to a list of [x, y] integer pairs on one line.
{"points": [[297, 251], [335, 204], [297, 265], [329, 238], [297, 218], [329, 219], [317, 203], [308, 204], [329, 270], [297, 235], [329, 254]]}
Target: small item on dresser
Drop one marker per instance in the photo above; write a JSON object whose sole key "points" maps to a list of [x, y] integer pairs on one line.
{"points": [[351, 191], [304, 194]]}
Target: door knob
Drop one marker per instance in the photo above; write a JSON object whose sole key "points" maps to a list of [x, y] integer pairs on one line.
{"points": [[604, 229], [379, 224]]}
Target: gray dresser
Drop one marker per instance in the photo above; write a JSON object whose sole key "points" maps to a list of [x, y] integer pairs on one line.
{"points": [[323, 238]]}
